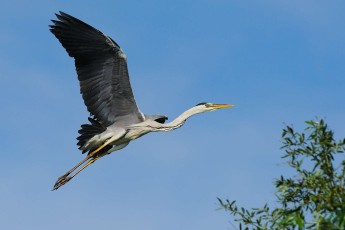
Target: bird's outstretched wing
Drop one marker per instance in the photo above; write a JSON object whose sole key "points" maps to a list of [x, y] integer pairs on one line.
{"points": [[102, 70]]}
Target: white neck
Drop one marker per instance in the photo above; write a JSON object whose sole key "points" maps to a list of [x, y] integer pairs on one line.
{"points": [[180, 120], [152, 126]]}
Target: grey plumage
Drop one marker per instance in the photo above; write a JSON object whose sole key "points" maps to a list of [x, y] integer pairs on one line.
{"points": [[87, 131], [105, 87], [102, 70]]}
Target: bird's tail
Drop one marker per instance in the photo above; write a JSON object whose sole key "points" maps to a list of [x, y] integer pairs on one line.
{"points": [[88, 131]]}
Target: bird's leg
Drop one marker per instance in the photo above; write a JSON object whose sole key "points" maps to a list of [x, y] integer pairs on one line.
{"points": [[84, 166], [101, 147], [75, 167], [92, 157], [119, 133], [65, 178]]}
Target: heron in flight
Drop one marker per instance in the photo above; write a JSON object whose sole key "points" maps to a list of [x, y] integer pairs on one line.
{"points": [[115, 119]]}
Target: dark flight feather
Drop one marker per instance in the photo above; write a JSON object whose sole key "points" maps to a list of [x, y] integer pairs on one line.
{"points": [[101, 67]]}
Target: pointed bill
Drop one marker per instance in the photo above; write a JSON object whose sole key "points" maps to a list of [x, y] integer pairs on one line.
{"points": [[222, 106]]}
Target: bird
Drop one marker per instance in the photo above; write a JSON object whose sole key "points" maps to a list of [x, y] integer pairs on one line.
{"points": [[115, 119]]}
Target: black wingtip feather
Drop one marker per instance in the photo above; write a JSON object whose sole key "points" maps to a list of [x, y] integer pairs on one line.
{"points": [[97, 60]]}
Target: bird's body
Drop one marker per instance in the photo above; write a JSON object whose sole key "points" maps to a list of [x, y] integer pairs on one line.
{"points": [[105, 87]]}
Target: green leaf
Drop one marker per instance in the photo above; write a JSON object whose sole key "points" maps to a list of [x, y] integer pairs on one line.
{"points": [[314, 196]]}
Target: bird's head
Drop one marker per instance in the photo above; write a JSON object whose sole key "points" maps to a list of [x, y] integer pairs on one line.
{"points": [[207, 107]]}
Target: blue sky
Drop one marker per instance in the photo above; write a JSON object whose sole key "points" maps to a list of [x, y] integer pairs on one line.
{"points": [[280, 62]]}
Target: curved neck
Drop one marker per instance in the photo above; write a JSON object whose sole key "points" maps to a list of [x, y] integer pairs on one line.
{"points": [[180, 120], [153, 126]]}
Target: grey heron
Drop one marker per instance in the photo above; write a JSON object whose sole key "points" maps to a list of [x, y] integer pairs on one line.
{"points": [[115, 119]]}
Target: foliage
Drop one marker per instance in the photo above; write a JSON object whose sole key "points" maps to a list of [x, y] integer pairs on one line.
{"points": [[315, 197]]}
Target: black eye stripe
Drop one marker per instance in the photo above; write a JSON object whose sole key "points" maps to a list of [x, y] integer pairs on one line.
{"points": [[202, 103]]}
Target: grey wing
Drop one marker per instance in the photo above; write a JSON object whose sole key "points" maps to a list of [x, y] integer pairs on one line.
{"points": [[102, 70]]}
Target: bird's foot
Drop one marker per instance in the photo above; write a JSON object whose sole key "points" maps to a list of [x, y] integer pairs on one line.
{"points": [[61, 181]]}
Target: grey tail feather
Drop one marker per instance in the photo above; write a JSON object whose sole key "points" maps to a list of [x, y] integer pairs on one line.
{"points": [[87, 131]]}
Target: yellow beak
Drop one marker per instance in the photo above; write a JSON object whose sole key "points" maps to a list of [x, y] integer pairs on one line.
{"points": [[222, 106]]}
